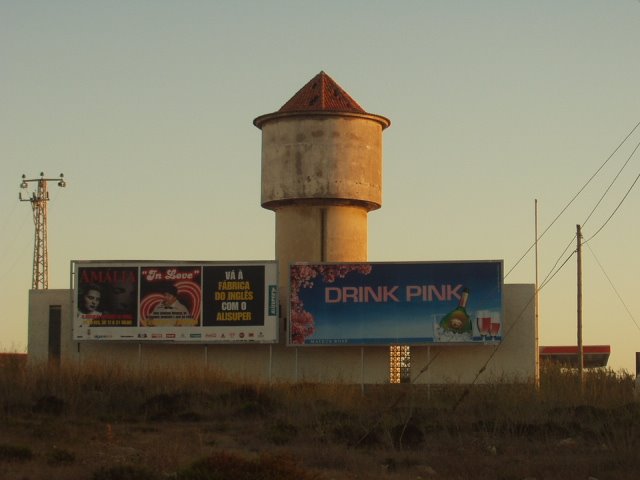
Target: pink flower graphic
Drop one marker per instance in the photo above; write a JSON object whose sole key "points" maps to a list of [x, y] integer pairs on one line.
{"points": [[302, 276]]}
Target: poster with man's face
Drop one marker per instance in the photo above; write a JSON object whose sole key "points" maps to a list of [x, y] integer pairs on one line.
{"points": [[170, 296]]}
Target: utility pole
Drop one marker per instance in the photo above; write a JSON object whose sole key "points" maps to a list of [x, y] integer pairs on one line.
{"points": [[537, 300], [580, 349], [39, 199]]}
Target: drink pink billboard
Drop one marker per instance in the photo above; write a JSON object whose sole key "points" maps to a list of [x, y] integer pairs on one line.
{"points": [[396, 303]]}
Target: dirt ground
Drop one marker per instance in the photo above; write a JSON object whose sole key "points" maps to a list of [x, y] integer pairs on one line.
{"points": [[76, 448]]}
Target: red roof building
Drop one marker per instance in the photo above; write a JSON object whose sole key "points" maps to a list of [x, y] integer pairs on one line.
{"points": [[593, 355]]}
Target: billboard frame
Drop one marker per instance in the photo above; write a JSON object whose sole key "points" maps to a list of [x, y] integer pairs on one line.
{"points": [[345, 268], [227, 302]]}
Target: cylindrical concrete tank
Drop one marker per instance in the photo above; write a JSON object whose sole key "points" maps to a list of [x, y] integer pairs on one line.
{"points": [[321, 174], [327, 157]]}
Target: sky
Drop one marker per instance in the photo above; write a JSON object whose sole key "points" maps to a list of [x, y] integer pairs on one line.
{"points": [[147, 109]]}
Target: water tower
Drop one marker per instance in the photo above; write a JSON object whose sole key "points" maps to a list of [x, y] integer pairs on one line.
{"points": [[321, 175]]}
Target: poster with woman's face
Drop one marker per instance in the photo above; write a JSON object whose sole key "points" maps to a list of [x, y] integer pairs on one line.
{"points": [[107, 296]]}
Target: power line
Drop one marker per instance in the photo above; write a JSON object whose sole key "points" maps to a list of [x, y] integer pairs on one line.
{"points": [[552, 273], [611, 184], [615, 210], [549, 278], [507, 332], [573, 199], [613, 287]]}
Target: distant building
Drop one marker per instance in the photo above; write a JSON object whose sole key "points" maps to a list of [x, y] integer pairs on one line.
{"points": [[594, 356]]}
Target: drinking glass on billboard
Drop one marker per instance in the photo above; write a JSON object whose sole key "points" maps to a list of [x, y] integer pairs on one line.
{"points": [[483, 322], [496, 325]]}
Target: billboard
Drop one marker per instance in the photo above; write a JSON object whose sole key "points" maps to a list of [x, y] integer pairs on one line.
{"points": [[447, 303], [175, 301]]}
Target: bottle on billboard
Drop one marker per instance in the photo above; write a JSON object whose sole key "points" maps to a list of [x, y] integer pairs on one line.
{"points": [[458, 320]]}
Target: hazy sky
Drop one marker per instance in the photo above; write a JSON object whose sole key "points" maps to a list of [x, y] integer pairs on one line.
{"points": [[147, 108]]}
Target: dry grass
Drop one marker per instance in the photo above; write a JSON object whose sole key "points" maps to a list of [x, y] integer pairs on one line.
{"points": [[109, 423]]}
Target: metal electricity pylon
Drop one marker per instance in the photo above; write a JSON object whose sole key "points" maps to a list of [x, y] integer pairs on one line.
{"points": [[39, 199]]}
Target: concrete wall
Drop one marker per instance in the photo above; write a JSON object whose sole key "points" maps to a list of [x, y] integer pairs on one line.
{"points": [[515, 359], [38, 335]]}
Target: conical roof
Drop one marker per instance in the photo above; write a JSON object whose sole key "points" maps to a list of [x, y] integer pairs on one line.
{"points": [[321, 93], [321, 96]]}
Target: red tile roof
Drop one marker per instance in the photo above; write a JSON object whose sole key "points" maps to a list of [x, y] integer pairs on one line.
{"points": [[321, 93]]}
